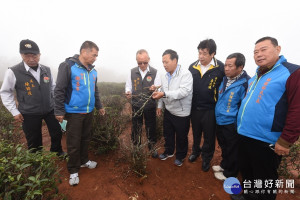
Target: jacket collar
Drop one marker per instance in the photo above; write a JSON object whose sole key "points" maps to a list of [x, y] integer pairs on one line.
{"points": [[76, 60]]}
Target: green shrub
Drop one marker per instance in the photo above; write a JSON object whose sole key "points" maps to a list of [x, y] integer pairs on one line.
{"points": [[25, 175], [107, 129], [8, 130], [136, 156], [159, 127], [290, 165]]}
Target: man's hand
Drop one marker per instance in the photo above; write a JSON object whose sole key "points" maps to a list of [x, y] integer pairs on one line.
{"points": [[280, 150], [128, 95], [102, 111], [158, 112], [59, 118], [157, 95], [153, 87], [19, 118]]}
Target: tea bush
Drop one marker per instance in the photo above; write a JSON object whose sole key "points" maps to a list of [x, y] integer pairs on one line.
{"points": [[26, 175], [107, 129], [8, 130], [136, 156], [291, 163]]}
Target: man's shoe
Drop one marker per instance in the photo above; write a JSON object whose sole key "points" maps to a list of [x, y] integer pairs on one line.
{"points": [[154, 154], [237, 197], [217, 168], [220, 176], [74, 179], [90, 164], [205, 166], [178, 162], [193, 157], [165, 156]]}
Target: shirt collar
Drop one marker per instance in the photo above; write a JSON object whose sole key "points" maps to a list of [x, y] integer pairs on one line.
{"points": [[28, 68], [237, 77], [174, 73], [211, 63], [147, 70]]}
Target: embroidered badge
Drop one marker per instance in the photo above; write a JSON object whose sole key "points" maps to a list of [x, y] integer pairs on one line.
{"points": [[46, 79], [149, 78], [28, 46]]}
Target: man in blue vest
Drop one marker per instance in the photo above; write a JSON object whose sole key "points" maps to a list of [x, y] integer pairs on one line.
{"points": [[268, 119], [137, 87], [231, 92], [76, 96], [34, 87]]}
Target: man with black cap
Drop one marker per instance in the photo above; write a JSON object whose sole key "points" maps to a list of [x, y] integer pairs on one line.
{"points": [[34, 88]]}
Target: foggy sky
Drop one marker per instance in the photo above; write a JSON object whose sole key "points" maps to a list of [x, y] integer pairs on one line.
{"points": [[120, 28]]}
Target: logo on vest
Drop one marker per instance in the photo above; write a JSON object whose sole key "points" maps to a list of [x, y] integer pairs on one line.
{"points": [[46, 79], [149, 78]]}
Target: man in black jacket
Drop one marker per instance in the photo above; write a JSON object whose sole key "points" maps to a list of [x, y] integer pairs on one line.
{"points": [[207, 76]]}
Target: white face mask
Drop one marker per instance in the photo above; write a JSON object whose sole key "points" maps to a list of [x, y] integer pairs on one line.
{"points": [[63, 125]]}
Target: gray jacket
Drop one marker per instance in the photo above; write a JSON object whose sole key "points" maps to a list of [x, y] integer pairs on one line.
{"points": [[179, 92]]}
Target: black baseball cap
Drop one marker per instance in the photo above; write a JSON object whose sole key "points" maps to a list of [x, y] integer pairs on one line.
{"points": [[29, 46]]}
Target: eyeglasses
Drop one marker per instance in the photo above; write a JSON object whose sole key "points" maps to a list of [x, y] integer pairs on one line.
{"points": [[142, 63]]}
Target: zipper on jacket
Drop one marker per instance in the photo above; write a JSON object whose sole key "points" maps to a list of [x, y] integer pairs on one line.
{"points": [[88, 105], [180, 104], [84, 78], [252, 94], [243, 110]]}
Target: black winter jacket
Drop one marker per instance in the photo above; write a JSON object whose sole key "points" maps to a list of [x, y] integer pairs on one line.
{"points": [[205, 88]]}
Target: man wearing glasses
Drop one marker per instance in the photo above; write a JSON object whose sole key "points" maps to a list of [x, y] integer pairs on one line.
{"points": [[34, 87], [137, 88]]}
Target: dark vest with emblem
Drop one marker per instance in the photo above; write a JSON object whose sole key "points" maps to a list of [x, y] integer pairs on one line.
{"points": [[33, 98], [140, 88]]}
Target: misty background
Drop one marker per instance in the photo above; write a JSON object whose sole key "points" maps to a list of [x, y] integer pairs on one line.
{"points": [[120, 28]]}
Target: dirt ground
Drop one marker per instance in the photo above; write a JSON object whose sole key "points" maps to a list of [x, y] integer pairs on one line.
{"points": [[164, 180]]}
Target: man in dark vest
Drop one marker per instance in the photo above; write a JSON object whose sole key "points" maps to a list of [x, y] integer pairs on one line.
{"points": [[137, 88], [34, 88]]}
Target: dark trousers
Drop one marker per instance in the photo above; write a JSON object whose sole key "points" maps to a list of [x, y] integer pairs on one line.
{"points": [[258, 161], [32, 127], [79, 128], [228, 139], [150, 123], [176, 128], [204, 121]]}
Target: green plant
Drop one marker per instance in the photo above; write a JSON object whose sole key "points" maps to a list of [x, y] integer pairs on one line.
{"points": [[8, 129], [136, 156], [290, 165], [107, 129], [26, 175], [159, 127]]}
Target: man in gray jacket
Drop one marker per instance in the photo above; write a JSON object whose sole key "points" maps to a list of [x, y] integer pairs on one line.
{"points": [[176, 96], [34, 87]]}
